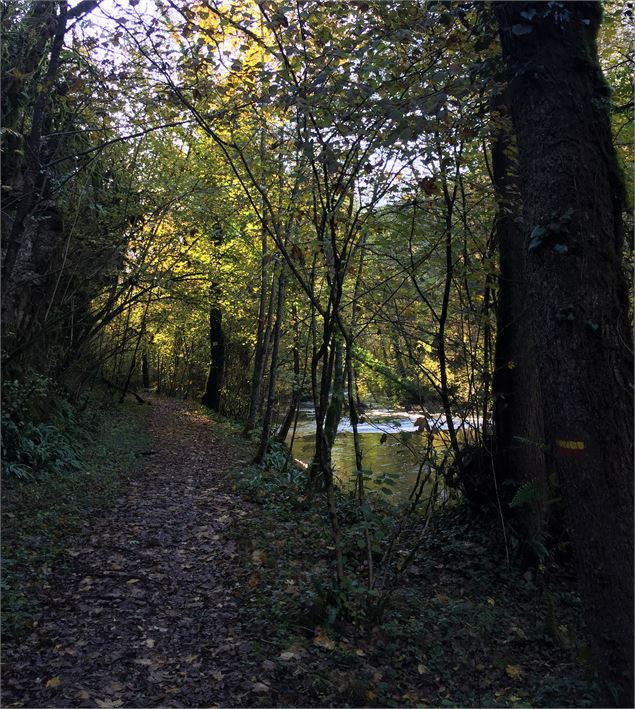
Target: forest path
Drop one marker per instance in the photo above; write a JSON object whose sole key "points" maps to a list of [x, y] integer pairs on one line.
{"points": [[145, 612]]}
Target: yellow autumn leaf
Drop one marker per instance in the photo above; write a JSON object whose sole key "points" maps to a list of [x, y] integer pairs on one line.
{"points": [[322, 640], [53, 682], [513, 671]]}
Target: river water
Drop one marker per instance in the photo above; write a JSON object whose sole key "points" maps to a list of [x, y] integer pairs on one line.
{"points": [[390, 442]]}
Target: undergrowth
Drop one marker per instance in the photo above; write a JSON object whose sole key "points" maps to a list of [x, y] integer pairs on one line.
{"points": [[462, 629], [58, 473]]}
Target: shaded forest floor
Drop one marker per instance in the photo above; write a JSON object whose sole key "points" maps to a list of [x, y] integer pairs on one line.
{"points": [[191, 587]]}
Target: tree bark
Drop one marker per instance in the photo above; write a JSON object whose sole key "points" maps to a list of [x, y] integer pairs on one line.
{"points": [[145, 370], [520, 455], [260, 352], [577, 306], [32, 176], [334, 410], [271, 391], [214, 386], [296, 393]]}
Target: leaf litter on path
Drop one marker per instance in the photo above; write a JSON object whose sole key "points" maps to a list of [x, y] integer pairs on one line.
{"points": [[146, 601]]}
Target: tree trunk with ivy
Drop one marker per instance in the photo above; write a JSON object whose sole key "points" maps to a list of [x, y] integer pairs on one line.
{"points": [[520, 455], [577, 305]]}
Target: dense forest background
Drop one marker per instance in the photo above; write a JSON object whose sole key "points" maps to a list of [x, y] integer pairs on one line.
{"points": [[424, 206]]}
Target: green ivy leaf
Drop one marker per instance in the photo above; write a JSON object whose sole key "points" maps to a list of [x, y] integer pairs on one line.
{"points": [[538, 233], [521, 29]]}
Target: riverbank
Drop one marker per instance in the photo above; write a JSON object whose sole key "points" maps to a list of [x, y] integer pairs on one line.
{"points": [[461, 629]]}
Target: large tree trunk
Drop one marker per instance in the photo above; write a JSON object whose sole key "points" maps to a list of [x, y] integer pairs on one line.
{"points": [[520, 455], [576, 304], [32, 182]]}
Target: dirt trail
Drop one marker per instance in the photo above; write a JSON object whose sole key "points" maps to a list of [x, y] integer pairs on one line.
{"points": [[147, 615]]}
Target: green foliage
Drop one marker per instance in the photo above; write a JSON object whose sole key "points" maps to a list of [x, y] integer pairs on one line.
{"points": [[406, 386], [40, 514], [347, 602], [278, 479], [528, 493], [33, 447], [459, 612]]}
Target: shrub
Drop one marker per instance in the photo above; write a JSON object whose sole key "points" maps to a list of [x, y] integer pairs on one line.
{"points": [[40, 429]]}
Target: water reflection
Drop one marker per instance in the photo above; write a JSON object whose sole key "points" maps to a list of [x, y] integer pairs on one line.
{"points": [[390, 441]]}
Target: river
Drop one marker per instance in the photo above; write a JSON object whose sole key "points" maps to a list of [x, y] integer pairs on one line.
{"points": [[390, 441]]}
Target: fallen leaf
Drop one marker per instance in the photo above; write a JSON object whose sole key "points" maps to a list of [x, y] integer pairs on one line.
{"points": [[150, 642], [254, 580], [86, 583], [360, 653], [513, 671], [322, 640], [157, 676], [53, 682], [218, 676], [130, 581], [260, 687], [108, 703], [422, 669], [288, 656], [258, 556], [491, 601]]}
